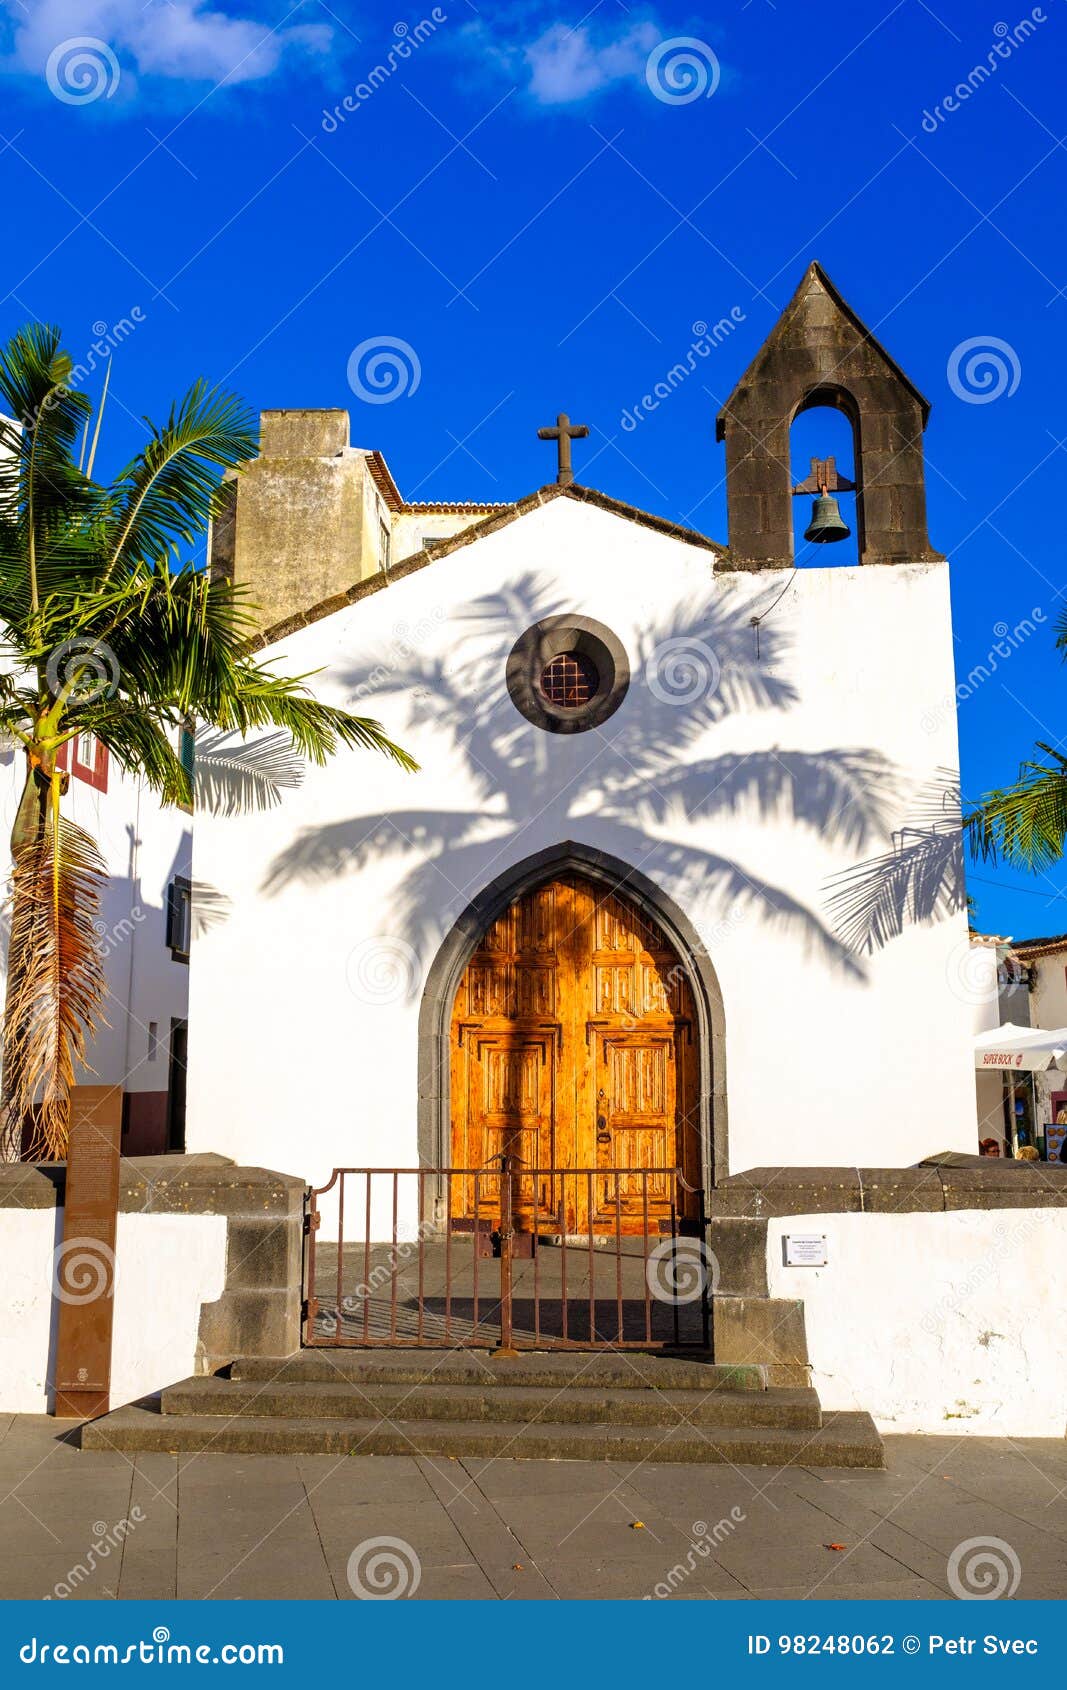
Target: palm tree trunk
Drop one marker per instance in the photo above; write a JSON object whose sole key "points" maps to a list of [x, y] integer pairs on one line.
{"points": [[31, 821]]}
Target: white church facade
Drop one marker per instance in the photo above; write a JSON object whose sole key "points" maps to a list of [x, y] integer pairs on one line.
{"points": [[648, 765]]}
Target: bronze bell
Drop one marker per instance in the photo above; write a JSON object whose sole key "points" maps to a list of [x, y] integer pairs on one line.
{"points": [[826, 523]]}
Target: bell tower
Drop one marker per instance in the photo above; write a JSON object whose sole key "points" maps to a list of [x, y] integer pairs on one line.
{"points": [[820, 353]]}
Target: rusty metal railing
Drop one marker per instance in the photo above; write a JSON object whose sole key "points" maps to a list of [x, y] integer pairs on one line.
{"points": [[507, 1257]]}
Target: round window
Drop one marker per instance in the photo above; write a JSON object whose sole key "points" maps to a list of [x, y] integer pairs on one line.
{"points": [[570, 680], [567, 674]]}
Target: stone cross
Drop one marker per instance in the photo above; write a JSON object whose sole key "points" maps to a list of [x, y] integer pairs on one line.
{"points": [[564, 432]]}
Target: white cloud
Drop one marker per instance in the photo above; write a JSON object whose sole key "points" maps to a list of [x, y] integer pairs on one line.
{"points": [[569, 65], [559, 63], [188, 40]]}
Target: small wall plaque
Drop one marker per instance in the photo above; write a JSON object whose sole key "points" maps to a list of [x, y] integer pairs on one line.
{"points": [[804, 1249]]}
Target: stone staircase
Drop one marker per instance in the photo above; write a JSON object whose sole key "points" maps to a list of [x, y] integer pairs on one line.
{"points": [[558, 1405]]}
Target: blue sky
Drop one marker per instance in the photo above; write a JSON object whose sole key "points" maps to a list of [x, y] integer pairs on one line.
{"points": [[540, 203]]}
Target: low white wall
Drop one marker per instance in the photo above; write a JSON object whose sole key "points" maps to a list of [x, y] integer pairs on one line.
{"points": [[944, 1323], [167, 1266]]}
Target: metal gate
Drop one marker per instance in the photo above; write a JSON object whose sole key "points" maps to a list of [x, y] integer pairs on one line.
{"points": [[413, 1266]]}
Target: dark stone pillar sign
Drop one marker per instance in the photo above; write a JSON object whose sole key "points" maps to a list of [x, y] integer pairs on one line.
{"points": [[83, 1280]]}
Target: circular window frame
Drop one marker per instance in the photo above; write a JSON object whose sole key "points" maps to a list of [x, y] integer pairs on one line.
{"points": [[552, 637]]}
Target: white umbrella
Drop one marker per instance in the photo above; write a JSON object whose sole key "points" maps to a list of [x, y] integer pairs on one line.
{"points": [[1031, 1049]]}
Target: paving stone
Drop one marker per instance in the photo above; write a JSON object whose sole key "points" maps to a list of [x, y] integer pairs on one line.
{"points": [[501, 1476]]}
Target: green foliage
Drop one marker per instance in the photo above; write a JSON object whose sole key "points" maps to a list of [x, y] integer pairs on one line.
{"points": [[112, 631]]}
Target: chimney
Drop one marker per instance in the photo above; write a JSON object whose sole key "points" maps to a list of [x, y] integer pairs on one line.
{"points": [[303, 521]]}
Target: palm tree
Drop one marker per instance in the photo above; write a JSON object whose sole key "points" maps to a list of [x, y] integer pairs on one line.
{"points": [[111, 632]]}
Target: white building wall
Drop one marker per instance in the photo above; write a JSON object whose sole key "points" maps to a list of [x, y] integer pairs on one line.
{"points": [[935, 1323], [305, 999], [166, 1267], [144, 846]]}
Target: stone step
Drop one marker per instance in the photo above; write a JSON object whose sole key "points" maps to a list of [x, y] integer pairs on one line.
{"points": [[574, 1369], [471, 1404], [844, 1440]]}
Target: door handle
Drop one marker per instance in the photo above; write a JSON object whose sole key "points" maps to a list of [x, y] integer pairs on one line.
{"points": [[603, 1131]]}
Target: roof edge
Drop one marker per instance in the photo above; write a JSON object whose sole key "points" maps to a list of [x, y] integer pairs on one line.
{"points": [[435, 549]]}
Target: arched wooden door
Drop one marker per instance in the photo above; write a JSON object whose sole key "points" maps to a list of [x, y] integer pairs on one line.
{"points": [[574, 1046]]}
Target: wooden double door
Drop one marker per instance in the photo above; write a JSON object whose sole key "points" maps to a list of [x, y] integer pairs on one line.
{"points": [[574, 1050]]}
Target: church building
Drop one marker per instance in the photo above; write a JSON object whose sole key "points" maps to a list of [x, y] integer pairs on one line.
{"points": [[633, 910]]}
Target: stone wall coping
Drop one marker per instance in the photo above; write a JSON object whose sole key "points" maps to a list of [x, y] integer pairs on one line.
{"points": [[165, 1185], [936, 1186]]}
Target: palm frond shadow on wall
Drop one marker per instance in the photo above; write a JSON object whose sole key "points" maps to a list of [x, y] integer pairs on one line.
{"points": [[622, 787]]}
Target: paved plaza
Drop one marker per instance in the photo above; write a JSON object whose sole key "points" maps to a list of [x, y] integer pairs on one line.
{"points": [[103, 1524]]}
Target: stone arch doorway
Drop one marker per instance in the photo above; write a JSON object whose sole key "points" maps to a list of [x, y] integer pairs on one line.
{"points": [[638, 1019]]}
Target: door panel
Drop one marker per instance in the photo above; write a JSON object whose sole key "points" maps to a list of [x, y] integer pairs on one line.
{"points": [[573, 1047]]}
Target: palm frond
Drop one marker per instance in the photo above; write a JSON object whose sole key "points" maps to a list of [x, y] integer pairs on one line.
{"points": [[170, 490], [1025, 823]]}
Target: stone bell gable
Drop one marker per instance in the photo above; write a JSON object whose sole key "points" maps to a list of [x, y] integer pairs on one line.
{"points": [[820, 354]]}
